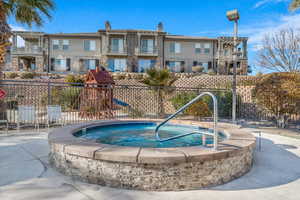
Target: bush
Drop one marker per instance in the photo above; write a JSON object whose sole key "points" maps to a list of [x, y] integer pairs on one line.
{"points": [[27, 75], [119, 76], [224, 104], [279, 94], [211, 72], [67, 98], [197, 69], [74, 79], [11, 75], [199, 109]]}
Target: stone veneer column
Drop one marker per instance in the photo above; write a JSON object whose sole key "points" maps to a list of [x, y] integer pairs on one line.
{"points": [[39, 62], [15, 63]]}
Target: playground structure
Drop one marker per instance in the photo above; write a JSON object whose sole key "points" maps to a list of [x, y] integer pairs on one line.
{"points": [[96, 98]]}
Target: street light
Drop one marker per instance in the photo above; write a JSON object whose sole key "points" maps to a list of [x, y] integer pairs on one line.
{"points": [[234, 15]]}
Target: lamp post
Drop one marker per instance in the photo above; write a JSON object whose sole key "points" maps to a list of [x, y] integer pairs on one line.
{"points": [[234, 16]]}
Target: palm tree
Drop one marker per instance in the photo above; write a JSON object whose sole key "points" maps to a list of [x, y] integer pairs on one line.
{"points": [[161, 81], [295, 4], [28, 12]]}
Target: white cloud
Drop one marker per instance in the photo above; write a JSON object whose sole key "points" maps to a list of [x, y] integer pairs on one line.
{"points": [[17, 28], [264, 2], [257, 33]]}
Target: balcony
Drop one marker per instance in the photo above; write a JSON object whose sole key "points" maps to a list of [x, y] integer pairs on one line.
{"points": [[146, 52], [34, 50]]}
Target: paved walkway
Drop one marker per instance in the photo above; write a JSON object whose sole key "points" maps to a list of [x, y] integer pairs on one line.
{"points": [[25, 174]]}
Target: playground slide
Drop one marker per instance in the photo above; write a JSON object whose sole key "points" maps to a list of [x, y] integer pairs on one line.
{"points": [[121, 103]]}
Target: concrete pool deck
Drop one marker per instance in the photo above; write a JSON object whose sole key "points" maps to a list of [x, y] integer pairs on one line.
{"points": [[25, 173]]}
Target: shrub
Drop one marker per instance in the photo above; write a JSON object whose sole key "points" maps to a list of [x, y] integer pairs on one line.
{"points": [[211, 72], [224, 103], [199, 109], [135, 113], [27, 75], [67, 98], [197, 69], [74, 79], [11, 75], [279, 94], [119, 76]]}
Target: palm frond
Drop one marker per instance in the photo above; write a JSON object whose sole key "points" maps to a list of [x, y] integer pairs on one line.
{"points": [[294, 5], [29, 12]]}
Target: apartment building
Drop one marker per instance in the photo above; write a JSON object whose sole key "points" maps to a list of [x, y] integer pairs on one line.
{"points": [[123, 51]]}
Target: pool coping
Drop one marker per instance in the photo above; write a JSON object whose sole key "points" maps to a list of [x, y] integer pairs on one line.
{"points": [[63, 140]]}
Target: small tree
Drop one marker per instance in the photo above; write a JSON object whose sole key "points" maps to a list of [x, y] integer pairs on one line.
{"points": [[161, 81], [279, 94], [199, 109], [280, 51]]}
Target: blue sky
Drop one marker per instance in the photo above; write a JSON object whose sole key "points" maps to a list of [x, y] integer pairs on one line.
{"points": [[190, 17]]}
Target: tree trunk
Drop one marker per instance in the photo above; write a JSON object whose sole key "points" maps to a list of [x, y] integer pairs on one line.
{"points": [[282, 121], [161, 110]]}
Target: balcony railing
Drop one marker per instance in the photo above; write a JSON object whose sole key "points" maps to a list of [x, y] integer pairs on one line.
{"points": [[116, 51], [147, 51], [27, 50]]}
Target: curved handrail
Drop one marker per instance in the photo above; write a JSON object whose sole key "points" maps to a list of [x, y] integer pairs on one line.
{"points": [[215, 115]]}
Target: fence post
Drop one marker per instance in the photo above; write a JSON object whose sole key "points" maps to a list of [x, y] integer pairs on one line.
{"points": [[49, 93]]}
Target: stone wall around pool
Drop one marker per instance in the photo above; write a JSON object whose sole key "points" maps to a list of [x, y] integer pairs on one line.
{"points": [[152, 169]]}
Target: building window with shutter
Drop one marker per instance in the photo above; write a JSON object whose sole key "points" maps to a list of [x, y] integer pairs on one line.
{"points": [[117, 65], [175, 47], [198, 48], [147, 45], [90, 64], [55, 44], [89, 45], [117, 45], [175, 66], [65, 45], [60, 65], [145, 64], [207, 48], [202, 48]]}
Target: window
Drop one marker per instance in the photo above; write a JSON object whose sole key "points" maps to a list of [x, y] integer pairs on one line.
{"points": [[89, 64], [206, 48], [89, 45], [55, 44], [61, 64], [226, 52], [145, 64], [175, 47], [147, 45], [198, 48], [202, 48], [65, 45], [117, 45], [205, 66], [176, 66], [117, 65]]}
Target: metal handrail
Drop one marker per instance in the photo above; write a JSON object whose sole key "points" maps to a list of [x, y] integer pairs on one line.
{"points": [[215, 116]]}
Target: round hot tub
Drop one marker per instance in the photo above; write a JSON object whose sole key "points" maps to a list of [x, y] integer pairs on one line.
{"points": [[126, 154], [141, 134]]}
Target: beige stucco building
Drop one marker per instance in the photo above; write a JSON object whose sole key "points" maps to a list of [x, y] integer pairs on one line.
{"points": [[123, 51]]}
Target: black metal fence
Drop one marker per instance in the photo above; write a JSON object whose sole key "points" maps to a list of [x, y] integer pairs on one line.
{"points": [[125, 101]]}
